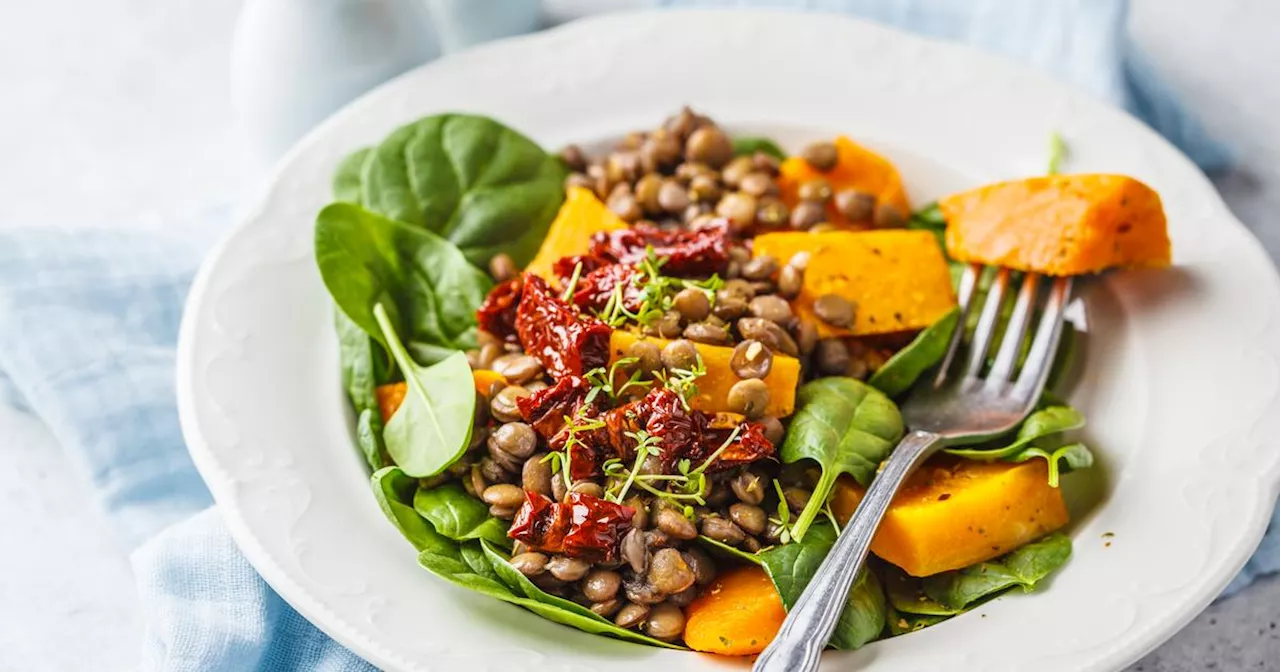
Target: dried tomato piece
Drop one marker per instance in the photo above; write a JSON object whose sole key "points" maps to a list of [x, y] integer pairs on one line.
{"points": [[596, 288], [682, 434], [583, 526], [699, 252], [565, 342], [564, 266], [748, 446], [497, 315], [546, 409]]}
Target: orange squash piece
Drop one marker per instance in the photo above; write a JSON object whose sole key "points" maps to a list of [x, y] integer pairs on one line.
{"points": [[1059, 224], [953, 513], [899, 278], [713, 388], [581, 216], [391, 395], [856, 168], [737, 615]]}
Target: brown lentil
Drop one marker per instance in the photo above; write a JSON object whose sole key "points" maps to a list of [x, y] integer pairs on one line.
{"points": [[535, 476], [623, 204], [647, 192], [648, 355], [749, 486], [666, 622], [706, 332], [806, 214], [806, 336], [722, 530], [773, 336], [633, 551], [504, 495], [530, 564], [751, 359], [514, 438], [631, 615], [738, 208], [790, 282], [667, 326], [772, 212], [668, 572], [831, 356], [601, 584], [607, 608], [672, 522], [503, 405], [856, 206], [821, 156], [771, 307], [773, 429], [749, 397], [672, 197], [729, 306], [588, 488], [760, 268], [680, 354], [692, 304], [835, 310], [568, 569], [888, 216], [748, 517], [757, 184], [703, 567], [709, 145]]}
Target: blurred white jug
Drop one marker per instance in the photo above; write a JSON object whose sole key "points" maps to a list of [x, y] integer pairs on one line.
{"points": [[294, 62]]}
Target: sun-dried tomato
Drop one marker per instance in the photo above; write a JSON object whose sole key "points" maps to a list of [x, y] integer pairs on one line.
{"points": [[497, 315], [682, 434], [546, 409], [564, 266], [566, 342], [596, 288], [583, 526], [688, 253]]}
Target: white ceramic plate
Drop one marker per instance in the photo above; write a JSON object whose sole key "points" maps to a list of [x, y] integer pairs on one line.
{"points": [[1179, 387]]}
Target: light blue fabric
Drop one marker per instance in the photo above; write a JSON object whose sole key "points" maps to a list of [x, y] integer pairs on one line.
{"points": [[88, 322]]}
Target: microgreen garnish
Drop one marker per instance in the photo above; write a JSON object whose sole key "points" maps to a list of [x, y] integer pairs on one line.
{"points": [[784, 515], [602, 380], [657, 292], [573, 282], [684, 381]]}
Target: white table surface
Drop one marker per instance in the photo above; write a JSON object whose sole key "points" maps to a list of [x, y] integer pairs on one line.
{"points": [[115, 113]]}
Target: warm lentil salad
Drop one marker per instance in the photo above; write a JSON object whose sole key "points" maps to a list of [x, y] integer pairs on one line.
{"points": [[656, 428]]}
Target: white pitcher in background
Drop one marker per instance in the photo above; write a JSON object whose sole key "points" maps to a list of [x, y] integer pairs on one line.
{"points": [[295, 62]]}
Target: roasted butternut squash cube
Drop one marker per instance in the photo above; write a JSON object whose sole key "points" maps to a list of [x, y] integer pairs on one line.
{"points": [[857, 168], [1059, 224], [899, 278], [581, 216], [953, 513], [737, 615], [713, 388]]}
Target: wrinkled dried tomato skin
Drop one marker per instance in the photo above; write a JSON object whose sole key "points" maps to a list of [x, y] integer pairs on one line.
{"points": [[564, 266], [595, 288], [682, 434], [564, 341], [688, 253], [546, 409], [497, 315], [582, 526]]}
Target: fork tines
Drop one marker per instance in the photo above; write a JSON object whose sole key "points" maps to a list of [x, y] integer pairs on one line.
{"points": [[1038, 360]]}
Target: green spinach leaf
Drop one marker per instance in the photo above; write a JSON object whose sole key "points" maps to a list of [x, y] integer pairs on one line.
{"points": [[394, 491], [1039, 425], [793, 565], [902, 623], [559, 609], [425, 284], [921, 354], [847, 427], [1063, 460], [369, 438], [349, 177], [1024, 567], [453, 563], [364, 367], [730, 551], [907, 596], [748, 145], [459, 516], [432, 427], [478, 184]]}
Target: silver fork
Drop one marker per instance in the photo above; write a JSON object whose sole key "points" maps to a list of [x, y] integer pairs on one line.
{"points": [[959, 405]]}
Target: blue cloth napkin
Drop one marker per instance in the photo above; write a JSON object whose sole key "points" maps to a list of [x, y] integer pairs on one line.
{"points": [[88, 322]]}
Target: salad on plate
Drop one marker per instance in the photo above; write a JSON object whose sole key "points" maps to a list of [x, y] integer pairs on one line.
{"points": [[639, 393]]}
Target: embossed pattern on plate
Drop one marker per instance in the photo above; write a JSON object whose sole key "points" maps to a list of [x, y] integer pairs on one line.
{"points": [[1180, 385]]}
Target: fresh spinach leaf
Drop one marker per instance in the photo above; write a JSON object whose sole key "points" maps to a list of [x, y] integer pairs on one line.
{"points": [[432, 427], [921, 354], [1024, 567], [1063, 460], [459, 516], [1039, 425], [732, 552], [349, 177], [902, 623], [847, 427], [369, 438], [906, 595], [793, 565], [394, 491], [478, 184], [748, 145], [559, 609], [425, 284], [451, 563]]}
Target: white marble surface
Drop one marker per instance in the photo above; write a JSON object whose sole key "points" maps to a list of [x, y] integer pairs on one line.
{"points": [[116, 114]]}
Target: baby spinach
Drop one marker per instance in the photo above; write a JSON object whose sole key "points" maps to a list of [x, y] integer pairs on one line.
{"points": [[459, 516], [349, 177], [748, 145], [1062, 460], [369, 439], [427, 287], [1024, 567], [394, 490], [1039, 425], [730, 551], [432, 427], [793, 565], [847, 427], [559, 609], [364, 367], [449, 562], [907, 596], [474, 182], [926, 350], [902, 623]]}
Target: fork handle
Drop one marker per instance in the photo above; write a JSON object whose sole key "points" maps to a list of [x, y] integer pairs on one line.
{"points": [[809, 624]]}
